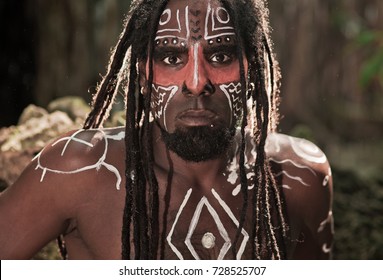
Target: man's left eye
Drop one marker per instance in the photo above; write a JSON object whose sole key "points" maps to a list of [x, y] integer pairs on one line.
{"points": [[220, 58], [172, 60]]}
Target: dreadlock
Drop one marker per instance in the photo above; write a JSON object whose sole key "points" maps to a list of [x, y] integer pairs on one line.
{"points": [[269, 229]]}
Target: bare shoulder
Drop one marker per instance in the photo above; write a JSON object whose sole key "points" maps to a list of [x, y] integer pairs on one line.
{"points": [[304, 173], [82, 150], [300, 166], [298, 153], [69, 178]]}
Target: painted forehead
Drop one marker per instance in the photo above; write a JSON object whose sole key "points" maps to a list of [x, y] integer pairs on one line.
{"points": [[182, 21]]}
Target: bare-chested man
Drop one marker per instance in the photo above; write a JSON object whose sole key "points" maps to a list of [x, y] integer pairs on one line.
{"points": [[198, 172]]}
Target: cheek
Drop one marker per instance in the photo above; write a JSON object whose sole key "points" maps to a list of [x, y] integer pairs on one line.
{"points": [[167, 76], [161, 98], [220, 76], [232, 92], [227, 74]]}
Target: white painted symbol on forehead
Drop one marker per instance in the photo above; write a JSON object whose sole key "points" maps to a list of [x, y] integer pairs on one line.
{"points": [[166, 31], [217, 23]]}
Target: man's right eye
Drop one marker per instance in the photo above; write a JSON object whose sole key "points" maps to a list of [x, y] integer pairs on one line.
{"points": [[172, 60]]}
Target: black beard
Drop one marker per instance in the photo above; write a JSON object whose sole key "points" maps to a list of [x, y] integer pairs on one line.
{"points": [[200, 143]]}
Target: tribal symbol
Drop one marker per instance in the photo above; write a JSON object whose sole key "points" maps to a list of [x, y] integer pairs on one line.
{"points": [[219, 21], [158, 102], [204, 202], [194, 25], [173, 32], [232, 92]]}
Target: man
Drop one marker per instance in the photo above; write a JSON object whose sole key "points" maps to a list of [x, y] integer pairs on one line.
{"points": [[201, 180]]}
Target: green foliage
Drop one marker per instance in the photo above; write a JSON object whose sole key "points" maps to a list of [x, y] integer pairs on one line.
{"points": [[358, 208], [372, 69]]}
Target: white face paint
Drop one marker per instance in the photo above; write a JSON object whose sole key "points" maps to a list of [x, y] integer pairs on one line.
{"points": [[73, 139], [196, 64], [185, 56], [217, 23], [160, 101], [166, 27], [232, 92]]}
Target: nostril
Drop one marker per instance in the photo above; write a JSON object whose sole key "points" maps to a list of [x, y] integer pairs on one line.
{"points": [[209, 88], [185, 89]]}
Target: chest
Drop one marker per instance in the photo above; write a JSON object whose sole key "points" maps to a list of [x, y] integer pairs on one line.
{"points": [[203, 225], [195, 222]]}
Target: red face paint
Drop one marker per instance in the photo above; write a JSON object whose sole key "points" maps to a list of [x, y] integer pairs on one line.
{"points": [[195, 66]]}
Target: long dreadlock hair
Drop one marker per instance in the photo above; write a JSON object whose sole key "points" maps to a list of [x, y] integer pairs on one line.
{"points": [[260, 84]]}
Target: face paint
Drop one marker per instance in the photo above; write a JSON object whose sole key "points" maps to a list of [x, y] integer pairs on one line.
{"points": [[195, 57], [195, 60], [217, 25], [160, 100]]}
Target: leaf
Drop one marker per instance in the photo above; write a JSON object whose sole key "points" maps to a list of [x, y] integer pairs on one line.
{"points": [[371, 69], [366, 37]]}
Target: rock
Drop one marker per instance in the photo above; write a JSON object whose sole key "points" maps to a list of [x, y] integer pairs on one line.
{"points": [[35, 133], [30, 112], [74, 107]]}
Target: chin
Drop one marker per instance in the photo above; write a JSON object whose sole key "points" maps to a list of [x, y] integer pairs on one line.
{"points": [[199, 143]]}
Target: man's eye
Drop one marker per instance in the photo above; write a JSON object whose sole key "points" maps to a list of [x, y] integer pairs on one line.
{"points": [[172, 60], [220, 58]]}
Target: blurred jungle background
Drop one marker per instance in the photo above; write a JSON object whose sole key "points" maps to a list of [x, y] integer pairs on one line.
{"points": [[330, 53]]}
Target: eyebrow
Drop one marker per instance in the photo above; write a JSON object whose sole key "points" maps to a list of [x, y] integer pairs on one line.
{"points": [[230, 48], [160, 51]]}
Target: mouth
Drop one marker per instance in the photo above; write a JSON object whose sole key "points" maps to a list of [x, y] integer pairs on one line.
{"points": [[199, 117]]}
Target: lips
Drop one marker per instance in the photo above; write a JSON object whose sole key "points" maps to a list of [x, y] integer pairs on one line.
{"points": [[200, 117]]}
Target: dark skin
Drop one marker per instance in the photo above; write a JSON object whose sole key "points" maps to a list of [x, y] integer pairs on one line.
{"points": [[73, 190], [80, 205]]}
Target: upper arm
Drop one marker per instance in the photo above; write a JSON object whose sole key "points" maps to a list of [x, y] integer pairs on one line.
{"points": [[305, 174], [317, 230], [40, 204], [29, 216], [314, 202]]}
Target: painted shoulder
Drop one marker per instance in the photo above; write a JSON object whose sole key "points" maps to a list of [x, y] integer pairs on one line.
{"points": [[82, 150], [298, 156]]}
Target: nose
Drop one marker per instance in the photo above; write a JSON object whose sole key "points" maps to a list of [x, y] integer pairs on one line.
{"points": [[197, 80], [204, 90]]}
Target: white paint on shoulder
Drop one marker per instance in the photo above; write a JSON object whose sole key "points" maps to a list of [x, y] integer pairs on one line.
{"points": [[237, 189], [293, 163], [296, 178], [101, 161], [329, 220], [272, 143], [326, 248], [327, 178], [307, 150]]}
